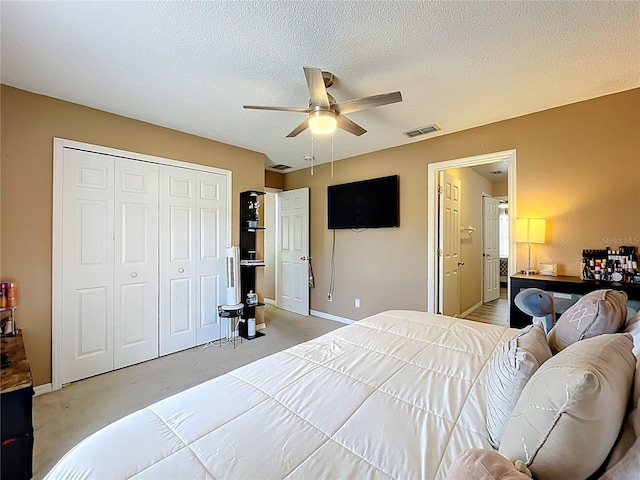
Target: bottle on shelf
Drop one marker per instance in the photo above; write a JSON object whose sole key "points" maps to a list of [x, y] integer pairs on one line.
{"points": [[12, 295], [252, 298]]}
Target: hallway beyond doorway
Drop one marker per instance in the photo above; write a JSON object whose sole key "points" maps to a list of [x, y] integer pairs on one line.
{"points": [[495, 312]]}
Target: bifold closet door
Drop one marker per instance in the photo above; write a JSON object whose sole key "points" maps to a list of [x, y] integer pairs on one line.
{"points": [[211, 240], [87, 258], [136, 262], [193, 236], [177, 259], [110, 264]]}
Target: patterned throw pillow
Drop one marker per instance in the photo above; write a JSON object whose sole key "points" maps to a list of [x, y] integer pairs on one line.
{"points": [[598, 312], [509, 371]]}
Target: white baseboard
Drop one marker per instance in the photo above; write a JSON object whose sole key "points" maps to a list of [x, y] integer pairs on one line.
{"points": [[42, 389], [329, 316], [468, 311], [261, 326], [269, 301]]}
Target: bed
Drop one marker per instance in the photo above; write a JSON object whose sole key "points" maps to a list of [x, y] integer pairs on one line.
{"points": [[396, 395]]}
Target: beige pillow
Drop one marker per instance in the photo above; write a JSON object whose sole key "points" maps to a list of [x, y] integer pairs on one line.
{"points": [[633, 327], [627, 468], [569, 414], [598, 312], [630, 433], [478, 464], [509, 371]]}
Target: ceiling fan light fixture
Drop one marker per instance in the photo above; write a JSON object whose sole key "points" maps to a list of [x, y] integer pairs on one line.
{"points": [[322, 122]]}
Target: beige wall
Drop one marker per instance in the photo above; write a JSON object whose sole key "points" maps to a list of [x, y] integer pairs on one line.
{"points": [[501, 189], [472, 186], [29, 123], [273, 179], [577, 165]]}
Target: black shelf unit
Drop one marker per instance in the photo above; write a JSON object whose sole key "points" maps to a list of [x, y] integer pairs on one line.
{"points": [[248, 272]]}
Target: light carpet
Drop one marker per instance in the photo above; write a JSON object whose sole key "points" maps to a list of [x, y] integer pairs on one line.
{"points": [[63, 418]]}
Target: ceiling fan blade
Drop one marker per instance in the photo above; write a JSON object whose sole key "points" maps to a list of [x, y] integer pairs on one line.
{"points": [[358, 104], [300, 128], [280, 109], [352, 127], [317, 90]]}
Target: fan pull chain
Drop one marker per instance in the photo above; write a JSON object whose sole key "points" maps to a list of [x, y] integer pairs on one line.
{"points": [[312, 155]]}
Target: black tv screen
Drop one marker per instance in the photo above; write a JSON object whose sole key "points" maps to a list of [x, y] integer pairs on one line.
{"points": [[366, 204]]}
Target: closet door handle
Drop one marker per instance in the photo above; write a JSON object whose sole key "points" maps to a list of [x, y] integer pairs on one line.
{"points": [[181, 270], [134, 275]]}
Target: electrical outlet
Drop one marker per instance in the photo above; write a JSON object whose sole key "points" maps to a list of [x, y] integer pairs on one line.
{"points": [[329, 297], [357, 303]]}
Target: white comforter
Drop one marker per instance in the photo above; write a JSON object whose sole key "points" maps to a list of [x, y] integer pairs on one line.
{"points": [[396, 395]]}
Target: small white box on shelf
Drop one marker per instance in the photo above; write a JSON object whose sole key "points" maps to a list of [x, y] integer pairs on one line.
{"points": [[549, 269]]}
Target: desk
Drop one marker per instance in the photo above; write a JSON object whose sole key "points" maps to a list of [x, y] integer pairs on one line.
{"points": [[573, 286], [16, 392]]}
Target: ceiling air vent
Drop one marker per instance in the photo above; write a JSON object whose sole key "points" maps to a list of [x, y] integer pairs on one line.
{"points": [[422, 131], [280, 166]]}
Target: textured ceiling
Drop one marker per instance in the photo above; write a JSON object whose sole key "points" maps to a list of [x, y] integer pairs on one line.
{"points": [[191, 66]]}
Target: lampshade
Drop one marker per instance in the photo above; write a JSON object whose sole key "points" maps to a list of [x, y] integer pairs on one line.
{"points": [[322, 122], [530, 230]]}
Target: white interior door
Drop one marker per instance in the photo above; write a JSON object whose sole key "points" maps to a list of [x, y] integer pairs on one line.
{"points": [[87, 265], [491, 248], [211, 241], [136, 262], [449, 245], [292, 251], [177, 259]]}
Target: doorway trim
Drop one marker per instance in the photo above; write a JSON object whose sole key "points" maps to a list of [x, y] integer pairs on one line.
{"points": [[432, 213], [273, 233]]}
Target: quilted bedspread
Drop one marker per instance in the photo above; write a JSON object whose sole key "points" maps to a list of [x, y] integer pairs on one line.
{"points": [[396, 395]]}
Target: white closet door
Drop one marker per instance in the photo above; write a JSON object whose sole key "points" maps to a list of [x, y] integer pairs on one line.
{"points": [[87, 265], [211, 239], [136, 262], [177, 259]]}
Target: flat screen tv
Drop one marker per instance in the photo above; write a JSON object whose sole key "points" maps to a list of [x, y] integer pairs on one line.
{"points": [[366, 204]]}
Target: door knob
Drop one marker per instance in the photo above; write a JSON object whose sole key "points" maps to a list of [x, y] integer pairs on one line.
{"points": [[134, 275], [181, 270], [303, 258], [460, 263]]}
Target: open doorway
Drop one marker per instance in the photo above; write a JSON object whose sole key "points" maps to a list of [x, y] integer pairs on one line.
{"points": [[470, 235], [270, 244]]}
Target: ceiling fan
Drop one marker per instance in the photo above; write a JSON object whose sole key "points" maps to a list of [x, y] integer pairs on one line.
{"points": [[324, 113]]}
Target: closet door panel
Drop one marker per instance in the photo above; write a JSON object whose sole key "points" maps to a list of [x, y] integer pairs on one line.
{"points": [[177, 259], [87, 265], [136, 258], [211, 234]]}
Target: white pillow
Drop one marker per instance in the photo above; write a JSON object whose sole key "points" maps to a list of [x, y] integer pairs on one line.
{"points": [[569, 414], [509, 371]]}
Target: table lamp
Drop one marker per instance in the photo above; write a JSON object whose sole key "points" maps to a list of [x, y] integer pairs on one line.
{"points": [[530, 230]]}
